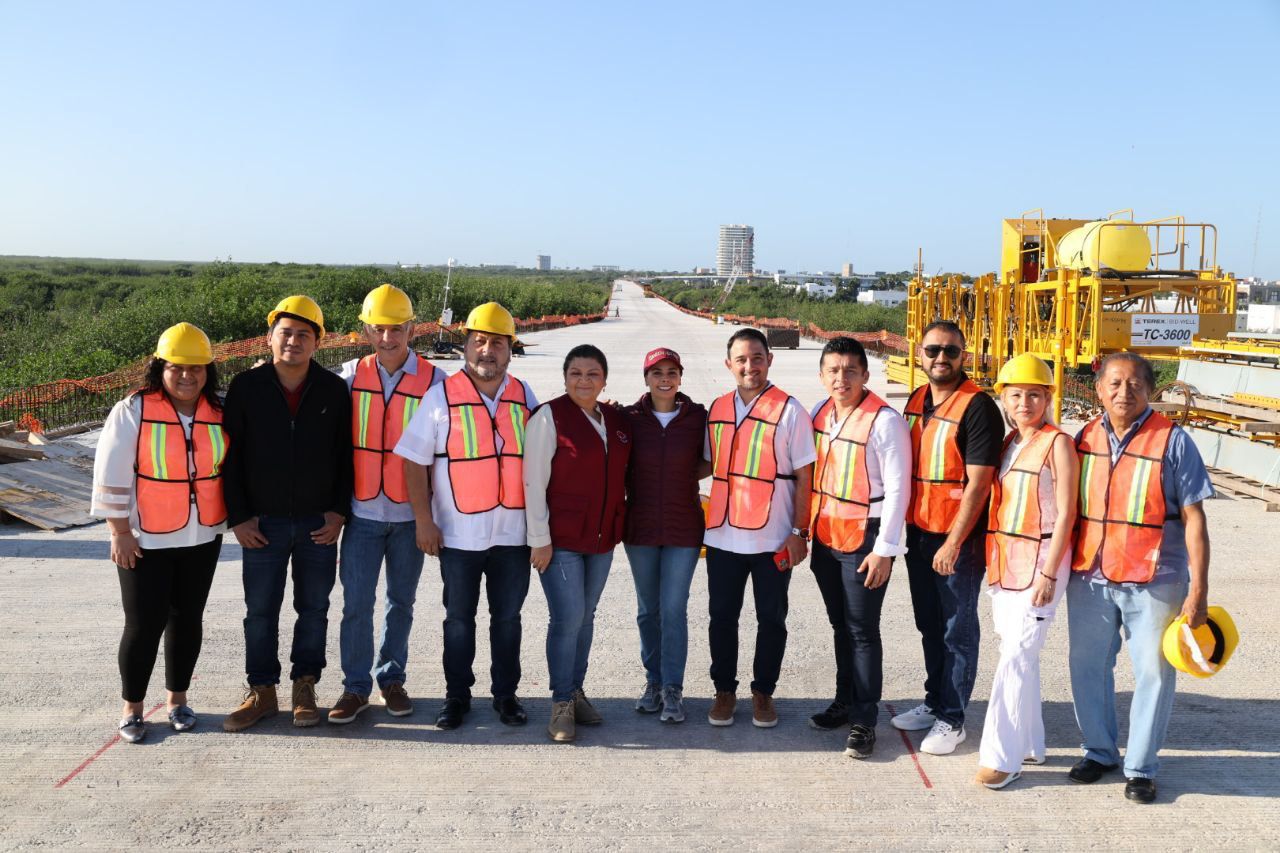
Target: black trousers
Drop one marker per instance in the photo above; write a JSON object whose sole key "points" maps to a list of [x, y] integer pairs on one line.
{"points": [[164, 595], [727, 576]]}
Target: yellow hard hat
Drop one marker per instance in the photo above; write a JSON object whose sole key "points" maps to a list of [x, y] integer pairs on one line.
{"points": [[1201, 651], [184, 344], [386, 305], [491, 317], [1024, 369], [299, 306]]}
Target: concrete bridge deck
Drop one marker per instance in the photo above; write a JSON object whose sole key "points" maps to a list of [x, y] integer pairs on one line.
{"points": [[386, 783]]}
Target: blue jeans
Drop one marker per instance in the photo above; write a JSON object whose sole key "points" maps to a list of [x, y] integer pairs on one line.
{"points": [[727, 574], [573, 583], [263, 574], [946, 613], [663, 575], [1097, 615], [505, 569], [364, 545]]}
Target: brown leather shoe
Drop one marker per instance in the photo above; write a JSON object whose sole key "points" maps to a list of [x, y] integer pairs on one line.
{"points": [[305, 712], [347, 708], [763, 715], [259, 703], [584, 713], [562, 728], [722, 709], [397, 700]]}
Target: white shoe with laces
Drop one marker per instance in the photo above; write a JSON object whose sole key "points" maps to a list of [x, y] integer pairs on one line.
{"points": [[917, 719], [942, 739]]}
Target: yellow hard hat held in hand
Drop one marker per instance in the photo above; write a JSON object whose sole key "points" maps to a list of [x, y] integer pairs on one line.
{"points": [[299, 306], [184, 344], [491, 317], [1025, 369], [386, 305], [1201, 651]]}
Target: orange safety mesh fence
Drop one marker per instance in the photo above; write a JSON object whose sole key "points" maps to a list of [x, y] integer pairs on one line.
{"points": [[66, 402]]}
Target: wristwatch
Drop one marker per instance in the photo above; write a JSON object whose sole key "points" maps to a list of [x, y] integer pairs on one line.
{"points": [[802, 532]]}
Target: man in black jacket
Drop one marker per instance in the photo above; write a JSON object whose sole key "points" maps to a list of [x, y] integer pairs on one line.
{"points": [[288, 480]]}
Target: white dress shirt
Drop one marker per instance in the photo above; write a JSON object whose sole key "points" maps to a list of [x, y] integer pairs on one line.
{"points": [[427, 435], [889, 473], [793, 448]]}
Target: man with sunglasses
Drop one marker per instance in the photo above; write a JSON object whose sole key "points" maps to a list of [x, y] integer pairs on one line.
{"points": [[956, 441]]}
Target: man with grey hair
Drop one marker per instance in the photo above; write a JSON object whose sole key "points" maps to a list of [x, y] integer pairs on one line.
{"points": [[387, 387], [1141, 560]]}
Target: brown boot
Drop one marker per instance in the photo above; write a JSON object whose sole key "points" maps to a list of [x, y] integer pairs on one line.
{"points": [[722, 709], [259, 703], [562, 728], [763, 715], [305, 712]]}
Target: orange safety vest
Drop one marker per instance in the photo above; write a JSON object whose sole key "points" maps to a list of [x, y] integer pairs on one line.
{"points": [[166, 487], [1015, 533], [841, 488], [938, 476], [1122, 509], [377, 424], [480, 477], [744, 464]]}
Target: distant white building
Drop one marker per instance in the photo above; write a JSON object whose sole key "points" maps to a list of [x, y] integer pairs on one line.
{"points": [[889, 298], [542, 263], [816, 289], [737, 243]]}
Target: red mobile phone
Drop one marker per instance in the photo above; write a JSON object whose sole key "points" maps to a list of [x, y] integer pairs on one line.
{"points": [[782, 559]]}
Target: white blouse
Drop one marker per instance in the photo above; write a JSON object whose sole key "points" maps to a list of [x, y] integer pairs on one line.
{"points": [[115, 480]]}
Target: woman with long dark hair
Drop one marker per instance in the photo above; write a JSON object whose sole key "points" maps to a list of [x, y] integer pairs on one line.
{"points": [[157, 481]]}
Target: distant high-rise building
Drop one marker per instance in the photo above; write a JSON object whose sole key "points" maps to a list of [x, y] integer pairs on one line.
{"points": [[543, 263], [846, 271], [736, 241]]}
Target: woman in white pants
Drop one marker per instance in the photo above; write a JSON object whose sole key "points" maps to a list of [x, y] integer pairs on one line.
{"points": [[1033, 508]]}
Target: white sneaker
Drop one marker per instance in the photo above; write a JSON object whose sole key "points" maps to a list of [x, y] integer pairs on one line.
{"points": [[942, 739], [917, 719]]}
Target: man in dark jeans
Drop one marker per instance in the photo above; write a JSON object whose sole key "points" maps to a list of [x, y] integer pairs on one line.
{"points": [[464, 452], [957, 436], [287, 480]]}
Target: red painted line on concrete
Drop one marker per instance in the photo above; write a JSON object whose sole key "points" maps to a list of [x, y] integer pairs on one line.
{"points": [[115, 739], [911, 750]]}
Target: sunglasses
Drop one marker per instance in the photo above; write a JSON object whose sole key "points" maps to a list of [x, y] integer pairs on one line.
{"points": [[950, 350]]}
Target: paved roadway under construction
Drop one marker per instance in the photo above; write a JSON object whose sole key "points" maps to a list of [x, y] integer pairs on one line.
{"points": [[387, 783]]}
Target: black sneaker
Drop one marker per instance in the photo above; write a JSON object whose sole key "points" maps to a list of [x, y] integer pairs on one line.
{"points": [[836, 715], [861, 742]]}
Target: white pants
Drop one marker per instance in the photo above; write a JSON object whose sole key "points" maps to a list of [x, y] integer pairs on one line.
{"points": [[1014, 728]]}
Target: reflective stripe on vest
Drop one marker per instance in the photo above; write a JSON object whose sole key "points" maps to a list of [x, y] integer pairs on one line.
{"points": [[744, 464], [841, 487], [1015, 532], [377, 424], [480, 477], [937, 469], [166, 486], [1122, 508]]}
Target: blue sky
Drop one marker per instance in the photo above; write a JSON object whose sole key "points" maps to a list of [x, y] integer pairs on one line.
{"points": [[604, 133]]}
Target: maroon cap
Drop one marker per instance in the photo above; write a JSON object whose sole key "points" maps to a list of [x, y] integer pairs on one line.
{"points": [[661, 354]]}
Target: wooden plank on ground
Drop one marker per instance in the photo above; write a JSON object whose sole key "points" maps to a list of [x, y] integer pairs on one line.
{"points": [[1239, 485], [19, 450], [51, 495]]}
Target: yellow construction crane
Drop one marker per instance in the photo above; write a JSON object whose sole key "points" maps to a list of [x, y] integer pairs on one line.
{"points": [[1073, 290]]}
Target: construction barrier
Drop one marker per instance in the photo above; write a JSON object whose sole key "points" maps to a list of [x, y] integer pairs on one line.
{"points": [[68, 402]]}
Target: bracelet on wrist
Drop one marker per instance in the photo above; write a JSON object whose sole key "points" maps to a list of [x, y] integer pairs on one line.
{"points": [[1050, 577]]}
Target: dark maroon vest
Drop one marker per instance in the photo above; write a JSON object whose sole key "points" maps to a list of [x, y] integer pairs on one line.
{"points": [[587, 490], [662, 482]]}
